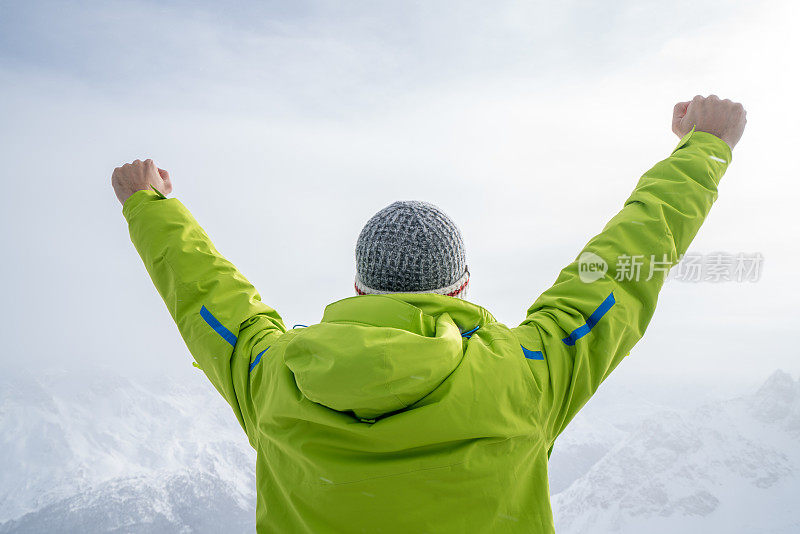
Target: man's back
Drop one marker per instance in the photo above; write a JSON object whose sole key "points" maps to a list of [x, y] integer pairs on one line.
{"points": [[384, 418], [418, 411]]}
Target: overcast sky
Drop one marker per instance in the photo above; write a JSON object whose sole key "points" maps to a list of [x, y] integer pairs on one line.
{"points": [[286, 125]]}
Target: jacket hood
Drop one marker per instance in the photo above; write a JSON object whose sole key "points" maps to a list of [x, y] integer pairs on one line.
{"points": [[376, 354]]}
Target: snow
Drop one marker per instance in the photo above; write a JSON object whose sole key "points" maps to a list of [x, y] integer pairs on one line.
{"points": [[109, 454], [722, 467], [92, 443]]}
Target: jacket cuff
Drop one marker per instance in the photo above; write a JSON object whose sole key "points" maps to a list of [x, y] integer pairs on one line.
{"points": [[715, 148], [138, 199]]}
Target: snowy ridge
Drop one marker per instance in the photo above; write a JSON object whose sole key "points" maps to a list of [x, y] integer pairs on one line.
{"points": [[107, 454], [168, 503], [723, 467], [77, 445]]}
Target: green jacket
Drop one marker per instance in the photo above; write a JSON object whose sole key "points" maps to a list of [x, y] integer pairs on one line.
{"points": [[421, 412]]}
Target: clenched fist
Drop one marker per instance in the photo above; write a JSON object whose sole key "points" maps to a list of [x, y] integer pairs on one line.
{"points": [[139, 175], [723, 118]]}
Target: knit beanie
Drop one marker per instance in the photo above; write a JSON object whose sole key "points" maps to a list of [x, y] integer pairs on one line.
{"points": [[411, 247]]}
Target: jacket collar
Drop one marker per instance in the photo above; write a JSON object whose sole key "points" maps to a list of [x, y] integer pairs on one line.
{"points": [[414, 312]]}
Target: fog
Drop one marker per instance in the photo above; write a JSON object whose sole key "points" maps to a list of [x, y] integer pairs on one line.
{"points": [[286, 128]]}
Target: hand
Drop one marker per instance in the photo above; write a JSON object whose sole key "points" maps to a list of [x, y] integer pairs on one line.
{"points": [[137, 176], [722, 118]]}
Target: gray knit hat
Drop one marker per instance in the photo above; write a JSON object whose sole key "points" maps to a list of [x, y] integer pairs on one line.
{"points": [[411, 247]]}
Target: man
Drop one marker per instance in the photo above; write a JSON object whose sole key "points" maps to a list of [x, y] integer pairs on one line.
{"points": [[408, 409]]}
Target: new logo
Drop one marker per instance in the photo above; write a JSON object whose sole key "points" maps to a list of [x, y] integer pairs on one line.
{"points": [[591, 267]]}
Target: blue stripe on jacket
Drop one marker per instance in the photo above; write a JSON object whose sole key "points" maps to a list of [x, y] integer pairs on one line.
{"points": [[532, 354], [258, 359], [591, 321], [226, 334]]}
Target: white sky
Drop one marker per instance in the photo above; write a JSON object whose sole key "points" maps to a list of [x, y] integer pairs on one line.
{"points": [[286, 125]]}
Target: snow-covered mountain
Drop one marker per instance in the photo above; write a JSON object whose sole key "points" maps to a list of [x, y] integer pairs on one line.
{"points": [[108, 454], [723, 467], [165, 503], [105, 454]]}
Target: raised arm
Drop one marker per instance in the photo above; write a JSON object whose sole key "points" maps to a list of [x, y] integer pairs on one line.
{"points": [[579, 330], [218, 312]]}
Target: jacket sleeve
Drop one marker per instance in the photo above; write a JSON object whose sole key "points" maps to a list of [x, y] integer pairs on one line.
{"points": [[579, 330], [218, 312]]}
